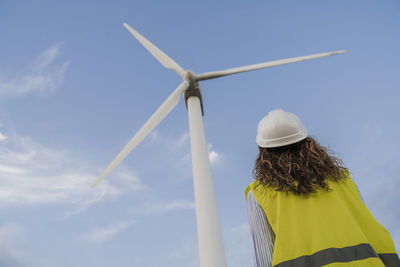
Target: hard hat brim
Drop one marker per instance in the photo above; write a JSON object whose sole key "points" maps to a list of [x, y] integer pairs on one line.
{"points": [[282, 141]]}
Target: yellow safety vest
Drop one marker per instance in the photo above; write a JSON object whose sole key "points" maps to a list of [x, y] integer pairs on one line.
{"points": [[327, 228]]}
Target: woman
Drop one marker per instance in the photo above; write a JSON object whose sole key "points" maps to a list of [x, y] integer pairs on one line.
{"points": [[304, 209]]}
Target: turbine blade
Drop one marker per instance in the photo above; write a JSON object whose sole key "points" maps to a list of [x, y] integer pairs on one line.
{"points": [[216, 74], [165, 60], [154, 120]]}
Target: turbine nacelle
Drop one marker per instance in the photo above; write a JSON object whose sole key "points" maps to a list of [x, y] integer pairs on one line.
{"points": [[193, 89]]}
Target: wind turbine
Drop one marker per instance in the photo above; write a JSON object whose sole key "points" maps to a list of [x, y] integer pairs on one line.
{"points": [[211, 250]]}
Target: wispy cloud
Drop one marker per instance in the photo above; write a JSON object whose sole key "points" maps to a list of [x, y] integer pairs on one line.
{"points": [[100, 235], [45, 58], [168, 206], [42, 75], [31, 174], [184, 139], [10, 239]]}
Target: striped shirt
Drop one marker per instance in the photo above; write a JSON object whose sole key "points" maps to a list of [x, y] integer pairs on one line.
{"points": [[261, 232]]}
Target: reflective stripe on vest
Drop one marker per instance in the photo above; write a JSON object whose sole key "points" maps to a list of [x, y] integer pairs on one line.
{"points": [[326, 227], [390, 259], [347, 254]]}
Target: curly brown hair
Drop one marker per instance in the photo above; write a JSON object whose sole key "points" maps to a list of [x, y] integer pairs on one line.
{"points": [[301, 168]]}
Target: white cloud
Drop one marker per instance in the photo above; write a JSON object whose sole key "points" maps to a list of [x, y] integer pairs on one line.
{"points": [[11, 169], [169, 206], [102, 234], [2, 137], [10, 239], [46, 58], [127, 178], [31, 174], [42, 75], [213, 155]]}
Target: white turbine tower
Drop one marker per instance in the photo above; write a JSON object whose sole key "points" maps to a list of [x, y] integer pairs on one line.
{"points": [[211, 250]]}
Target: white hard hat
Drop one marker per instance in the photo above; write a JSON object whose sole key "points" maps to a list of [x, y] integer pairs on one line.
{"points": [[280, 128]]}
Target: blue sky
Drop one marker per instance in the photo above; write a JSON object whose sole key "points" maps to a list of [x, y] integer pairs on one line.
{"points": [[75, 86]]}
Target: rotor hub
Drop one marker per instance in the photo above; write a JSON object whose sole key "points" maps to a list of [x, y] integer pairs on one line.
{"points": [[189, 76]]}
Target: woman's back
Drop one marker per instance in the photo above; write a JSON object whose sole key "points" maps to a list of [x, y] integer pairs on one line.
{"points": [[311, 203], [324, 227]]}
